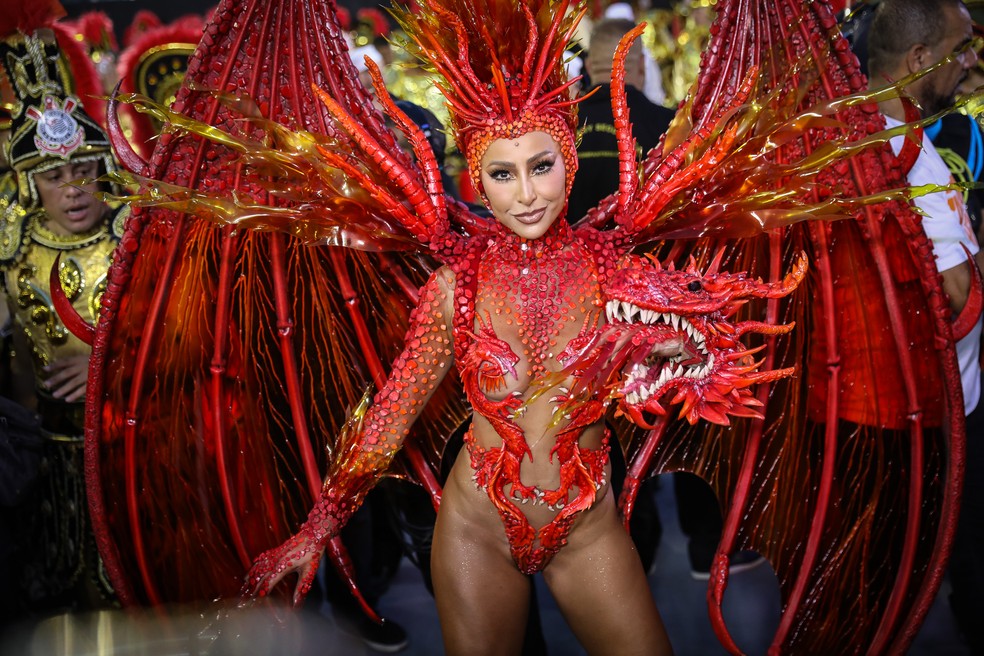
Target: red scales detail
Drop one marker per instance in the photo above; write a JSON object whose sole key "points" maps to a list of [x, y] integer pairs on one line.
{"points": [[583, 466], [530, 299]]}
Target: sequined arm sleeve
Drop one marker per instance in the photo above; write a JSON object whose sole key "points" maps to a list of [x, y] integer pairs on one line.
{"points": [[369, 441], [375, 433]]}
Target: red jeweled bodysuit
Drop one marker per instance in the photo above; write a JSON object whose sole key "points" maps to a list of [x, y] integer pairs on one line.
{"points": [[531, 299], [516, 304]]}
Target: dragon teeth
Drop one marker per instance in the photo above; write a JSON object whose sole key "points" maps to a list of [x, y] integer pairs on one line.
{"points": [[624, 311], [672, 370]]}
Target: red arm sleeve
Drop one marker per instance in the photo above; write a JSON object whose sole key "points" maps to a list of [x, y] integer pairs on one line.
{"points": [[370, 440], [373, 436]]}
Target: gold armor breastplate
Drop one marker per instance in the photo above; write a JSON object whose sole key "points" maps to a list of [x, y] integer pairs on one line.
{"points": [[28, 251]]}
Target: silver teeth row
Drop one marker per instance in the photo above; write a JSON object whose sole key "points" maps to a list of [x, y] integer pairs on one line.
{"points": [[626, 312], [666, 375]]}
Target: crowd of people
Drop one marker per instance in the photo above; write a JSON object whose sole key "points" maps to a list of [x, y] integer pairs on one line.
{"points": [[53, 215]]}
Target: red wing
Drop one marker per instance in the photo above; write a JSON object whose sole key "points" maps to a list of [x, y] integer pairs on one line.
{"points": [[849, 484], [226, 359]]}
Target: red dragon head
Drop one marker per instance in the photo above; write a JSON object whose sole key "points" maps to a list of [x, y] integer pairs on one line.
{"points": [[711, 375]]}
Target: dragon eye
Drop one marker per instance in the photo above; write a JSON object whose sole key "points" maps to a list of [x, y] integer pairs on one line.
{"points": [[694, 286]]}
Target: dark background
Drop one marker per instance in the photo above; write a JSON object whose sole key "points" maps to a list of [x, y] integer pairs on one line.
{"points": [[122, 11]]}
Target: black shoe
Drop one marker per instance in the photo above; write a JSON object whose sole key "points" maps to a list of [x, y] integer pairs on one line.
{"points": [[741, 561], [388, 637]]}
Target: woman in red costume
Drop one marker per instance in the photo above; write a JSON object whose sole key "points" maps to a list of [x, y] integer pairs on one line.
{"points": [[531, 494], [516, 306]]}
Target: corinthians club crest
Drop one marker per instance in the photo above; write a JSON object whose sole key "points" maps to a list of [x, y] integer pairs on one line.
{"points": [[58, 133]]}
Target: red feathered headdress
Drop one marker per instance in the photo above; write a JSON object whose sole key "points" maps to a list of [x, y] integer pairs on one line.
{"points": [[375, 19], [87, 84], [502, 69], [96, 30], [154, 65], [143, 21], [344, 18], [27, 17]]}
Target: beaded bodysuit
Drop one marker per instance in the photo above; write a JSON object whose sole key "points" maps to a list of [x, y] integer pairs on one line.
{"points": [[532, 298], [517, 306]]}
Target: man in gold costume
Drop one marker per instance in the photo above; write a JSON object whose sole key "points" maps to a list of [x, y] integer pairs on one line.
{"points": [[55, 152]]}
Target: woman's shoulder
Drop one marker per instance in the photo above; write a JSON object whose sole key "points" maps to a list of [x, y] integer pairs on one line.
{"points": [[445, 278]]}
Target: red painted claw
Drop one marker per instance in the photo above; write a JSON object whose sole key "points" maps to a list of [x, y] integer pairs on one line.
{"points": [[65, 310], [124, 152], [301, 553], [967, 318]]}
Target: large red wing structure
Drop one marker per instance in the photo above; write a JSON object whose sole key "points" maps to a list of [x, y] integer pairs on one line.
{"points": [[225, 360], [849, 485]]}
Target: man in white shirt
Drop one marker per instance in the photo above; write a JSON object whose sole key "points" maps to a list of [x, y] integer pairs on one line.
{"points": [[907, 36]]}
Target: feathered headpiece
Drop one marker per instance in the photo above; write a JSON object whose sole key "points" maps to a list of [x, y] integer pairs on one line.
{"points": [[143, 21], [501, 64], [154, 65], [373, 22]]}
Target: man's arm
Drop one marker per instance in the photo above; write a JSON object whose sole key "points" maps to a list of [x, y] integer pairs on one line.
{"points": [[956, 282]]}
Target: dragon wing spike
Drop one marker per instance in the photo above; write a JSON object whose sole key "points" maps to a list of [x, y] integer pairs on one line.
{"points": [[628, 177], [912, 146], [427, 224], [124, 151], [64, 308], [421, 147], [967, 318], [715, 265]]}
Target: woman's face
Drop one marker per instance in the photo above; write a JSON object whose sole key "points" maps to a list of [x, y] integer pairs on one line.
{"points": [[525, 181]]}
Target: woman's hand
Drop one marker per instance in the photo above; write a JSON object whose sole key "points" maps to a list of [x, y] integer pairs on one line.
{"points": [[301, 553]]}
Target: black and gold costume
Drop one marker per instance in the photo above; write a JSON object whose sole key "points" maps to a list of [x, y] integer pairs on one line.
{"points": [[55, 560], [57, 555]]}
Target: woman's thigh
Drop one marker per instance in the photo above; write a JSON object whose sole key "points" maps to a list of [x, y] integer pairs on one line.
{"points": [[600, 587], [482, 599]]}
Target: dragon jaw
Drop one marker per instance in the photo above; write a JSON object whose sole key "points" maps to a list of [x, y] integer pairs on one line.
{"points": [[638, 384], [709, 376]]}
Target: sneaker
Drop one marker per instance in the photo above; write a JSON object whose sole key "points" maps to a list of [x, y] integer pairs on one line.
{"points": [[387, 638], [741, 561]]}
